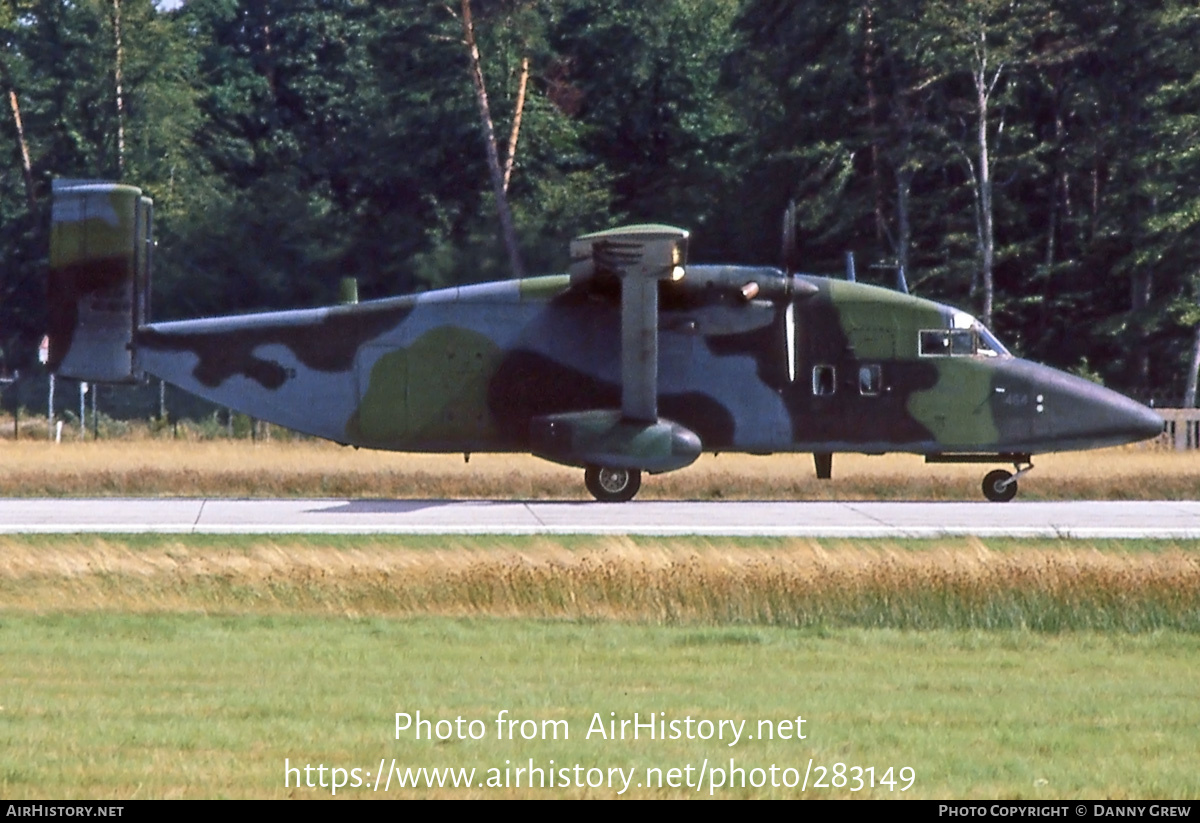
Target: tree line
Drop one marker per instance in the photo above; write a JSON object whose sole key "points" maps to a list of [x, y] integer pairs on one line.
{"points": [[1034, 162]]}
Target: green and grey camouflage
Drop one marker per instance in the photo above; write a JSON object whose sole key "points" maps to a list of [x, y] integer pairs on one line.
{"points": [[633, 362]]}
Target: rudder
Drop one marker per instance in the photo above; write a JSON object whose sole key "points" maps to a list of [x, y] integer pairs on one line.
{"points": [[101, 239]]}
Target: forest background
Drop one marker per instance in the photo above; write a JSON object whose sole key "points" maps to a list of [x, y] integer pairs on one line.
{"points": [[1033, 161]]}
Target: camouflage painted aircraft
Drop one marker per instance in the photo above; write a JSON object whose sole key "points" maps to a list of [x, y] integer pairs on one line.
{"points": [[634, 361]]}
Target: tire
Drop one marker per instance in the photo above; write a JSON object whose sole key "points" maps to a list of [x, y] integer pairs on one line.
{"points": [[993, 489], [612, 485]]}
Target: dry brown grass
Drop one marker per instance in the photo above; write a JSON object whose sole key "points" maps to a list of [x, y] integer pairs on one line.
{"points": [[240, 468], [948, 584]]}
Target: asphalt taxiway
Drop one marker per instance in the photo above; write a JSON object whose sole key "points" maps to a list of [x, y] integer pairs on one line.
{"points": [[1078, 519]]}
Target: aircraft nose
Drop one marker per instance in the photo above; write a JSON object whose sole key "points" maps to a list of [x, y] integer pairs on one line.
{"points": [[1145, 423], [1067, 412], [1104, 415]]}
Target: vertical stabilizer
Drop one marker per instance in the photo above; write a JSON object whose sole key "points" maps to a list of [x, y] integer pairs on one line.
{"points": [[99, 284]]}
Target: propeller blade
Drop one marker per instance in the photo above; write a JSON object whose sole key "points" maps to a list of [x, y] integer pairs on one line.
{"points": [[791, 250]]}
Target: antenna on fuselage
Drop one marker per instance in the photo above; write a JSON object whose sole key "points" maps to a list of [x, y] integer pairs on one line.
{"points": [[850, 273], [901, 280]]}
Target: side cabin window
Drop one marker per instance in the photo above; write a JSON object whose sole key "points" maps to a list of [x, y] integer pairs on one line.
{"points": [[870, 380], [947, 343], [824, 380]]}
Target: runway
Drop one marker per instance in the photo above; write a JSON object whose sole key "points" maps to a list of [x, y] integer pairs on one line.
{"points": [[1081, 520]]}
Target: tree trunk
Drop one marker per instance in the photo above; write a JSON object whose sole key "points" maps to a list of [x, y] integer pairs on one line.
{"points": [[118, 79], [489, 139], [868, 23], [987, 239], [1189, 394], [904, 178], [26, 165], [516, 126]]}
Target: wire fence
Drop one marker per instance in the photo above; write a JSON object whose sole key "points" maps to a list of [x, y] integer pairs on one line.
{"points": [[42, 407]]}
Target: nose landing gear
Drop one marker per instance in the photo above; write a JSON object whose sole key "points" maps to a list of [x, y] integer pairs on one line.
{"points": [[1000, 486]]}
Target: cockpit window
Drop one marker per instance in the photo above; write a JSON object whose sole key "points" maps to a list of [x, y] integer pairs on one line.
{"points": [[988, 344], [947, 343], [961, 342]]}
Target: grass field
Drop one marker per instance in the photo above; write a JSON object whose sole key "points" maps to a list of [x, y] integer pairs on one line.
{"points": [[147, 666], [239, 468], [195, 666], [120, 706], [962, 583]]}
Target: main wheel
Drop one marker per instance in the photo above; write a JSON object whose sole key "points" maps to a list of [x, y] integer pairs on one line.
{"points": [[612, 485], [994, 487]]}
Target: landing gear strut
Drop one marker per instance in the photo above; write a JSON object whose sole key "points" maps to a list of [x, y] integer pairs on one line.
{"points": [[612, 485], [1000, 486]]}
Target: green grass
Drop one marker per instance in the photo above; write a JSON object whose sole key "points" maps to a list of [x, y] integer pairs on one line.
{"points": [[119, 706], [193, 666]]}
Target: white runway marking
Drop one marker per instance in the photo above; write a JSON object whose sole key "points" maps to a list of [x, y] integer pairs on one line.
{"points": [[1083, 520]]}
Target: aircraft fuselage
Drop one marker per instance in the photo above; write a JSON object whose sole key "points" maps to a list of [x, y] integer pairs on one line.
{"points": [[631, 362], [839, 367]]}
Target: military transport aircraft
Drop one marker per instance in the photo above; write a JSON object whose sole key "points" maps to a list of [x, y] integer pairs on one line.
{"points": [[634, 361]]}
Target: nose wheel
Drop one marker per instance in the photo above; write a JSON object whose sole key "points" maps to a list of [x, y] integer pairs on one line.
{"points": [[612, 485], [1000, 486]]}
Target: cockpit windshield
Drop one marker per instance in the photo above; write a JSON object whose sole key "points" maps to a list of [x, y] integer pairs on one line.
{"points": [[989, 345], [966, 337]]}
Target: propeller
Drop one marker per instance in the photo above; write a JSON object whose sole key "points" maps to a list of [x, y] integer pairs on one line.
{"points": [[791, 245], [791, 262]]}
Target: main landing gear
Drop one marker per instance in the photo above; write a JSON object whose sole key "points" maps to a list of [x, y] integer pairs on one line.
{"points": [[612, 485]]}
